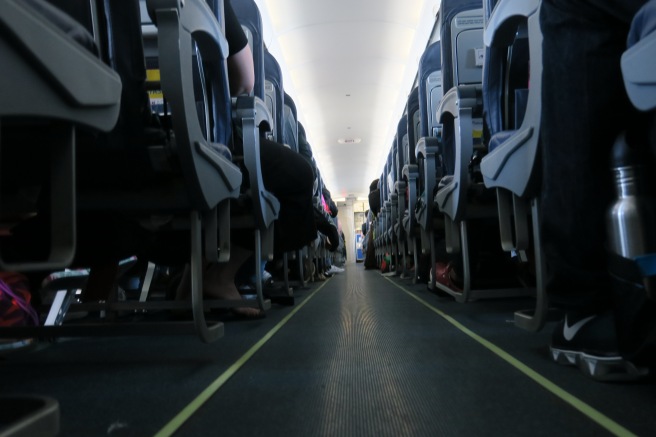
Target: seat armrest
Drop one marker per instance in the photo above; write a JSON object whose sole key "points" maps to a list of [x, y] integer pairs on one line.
{"points": [[638, 66], [461, 104], [250, 112], [179, 30], [428, 148], [501, 27], [61, 79]]}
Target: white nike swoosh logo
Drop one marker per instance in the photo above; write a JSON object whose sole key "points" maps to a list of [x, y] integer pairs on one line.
{"points": [[570, 331]]}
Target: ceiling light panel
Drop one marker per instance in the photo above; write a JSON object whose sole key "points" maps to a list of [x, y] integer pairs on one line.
{"points": [[359, 47]]}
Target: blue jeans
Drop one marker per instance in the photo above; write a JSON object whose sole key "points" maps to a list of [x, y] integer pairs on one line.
{"points": [[584, 108]]}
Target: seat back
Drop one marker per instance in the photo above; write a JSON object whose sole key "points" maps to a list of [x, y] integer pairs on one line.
{"points": [[462, 42], [430, 93], [430, 88], [462, 63], [493, 69], [390, 169], [515, 40], [186, 38], [400, 146], [290, 118], [274, 93], [414, 126], [506, 75], [304, 148]]}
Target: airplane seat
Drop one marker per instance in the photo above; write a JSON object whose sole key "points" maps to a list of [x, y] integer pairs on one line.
{"points": [[259, 208], [461, 196], [290, 118], [400, 184], [384, 214], [414, 126], [512, 34], [215, 113], [53, 87], [151, 176], [400, 188], [514, 41], [427, 150], [410, 172], [392, 198], [458, 129], [274, 94], [191, 176], [461, 105], [304, 148]]}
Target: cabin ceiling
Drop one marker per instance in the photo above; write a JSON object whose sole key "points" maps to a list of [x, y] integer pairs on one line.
{"points": [[349, 65]]}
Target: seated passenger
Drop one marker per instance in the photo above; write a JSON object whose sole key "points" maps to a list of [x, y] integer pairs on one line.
{"points": [[584, 109], [286, 174]]}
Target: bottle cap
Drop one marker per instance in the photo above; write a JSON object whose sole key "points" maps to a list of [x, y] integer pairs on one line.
{"points": [[624, 155]]}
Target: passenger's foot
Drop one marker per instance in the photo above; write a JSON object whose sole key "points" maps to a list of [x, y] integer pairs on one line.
{"points": [[445, 275], [214, 288], [590, 343], [334, 269]]}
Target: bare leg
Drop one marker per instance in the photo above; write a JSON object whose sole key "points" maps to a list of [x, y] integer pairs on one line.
{"points": [[219, 281]]}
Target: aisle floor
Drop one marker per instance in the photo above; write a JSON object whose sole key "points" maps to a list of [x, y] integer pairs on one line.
{"points": [[358, 355]]}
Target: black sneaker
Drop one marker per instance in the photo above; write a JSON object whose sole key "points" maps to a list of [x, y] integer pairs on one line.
{"points": [[590, 342]]}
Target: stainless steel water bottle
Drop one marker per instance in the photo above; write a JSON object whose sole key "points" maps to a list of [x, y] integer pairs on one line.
{"points": [[631, 217]]}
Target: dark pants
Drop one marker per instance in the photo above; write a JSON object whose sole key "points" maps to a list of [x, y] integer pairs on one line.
{"points": [[584, 108], [290, 178]]}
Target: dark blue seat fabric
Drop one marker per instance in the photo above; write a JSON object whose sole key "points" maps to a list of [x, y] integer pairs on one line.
{"points": [[512, 102], [414, 126], [410, 173], [499, 138], [492, 78], [505, 74], [429, 94], [400, 184], [400, 146], [427, 157], [429, 64], [454, 73], [273, 75], [304, 148], [460, 109], [290, 123]]}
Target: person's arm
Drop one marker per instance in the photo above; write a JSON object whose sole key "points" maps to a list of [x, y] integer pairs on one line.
{"points": [[241, 68], [241, 72]]}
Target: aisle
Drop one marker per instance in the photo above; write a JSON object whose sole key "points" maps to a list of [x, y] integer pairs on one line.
{"points": [[363, 357], [358, 355]]}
